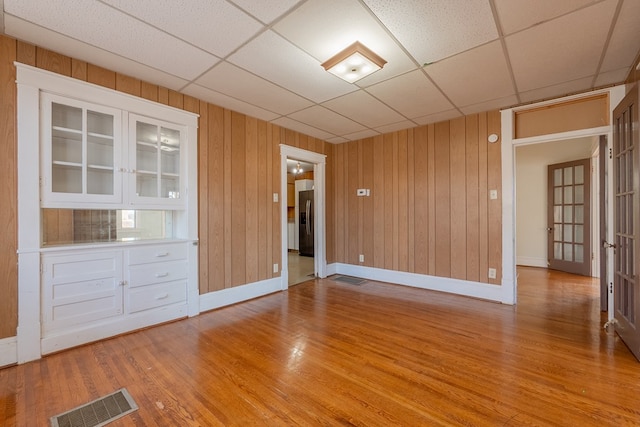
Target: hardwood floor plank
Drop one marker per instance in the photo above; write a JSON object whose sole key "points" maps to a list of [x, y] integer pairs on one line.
{"points": [[329, 353]]}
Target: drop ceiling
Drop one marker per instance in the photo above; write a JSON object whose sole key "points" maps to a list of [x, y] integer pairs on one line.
{"points": [[445, 58]]}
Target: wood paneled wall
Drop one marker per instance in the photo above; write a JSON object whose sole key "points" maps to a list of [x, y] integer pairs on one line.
{"points": [[239, 170], [9, 181], [429, 210]]}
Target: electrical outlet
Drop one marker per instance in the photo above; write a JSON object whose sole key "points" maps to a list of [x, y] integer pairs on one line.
{"points": [[275, 267], [492, 273], [361, 258], [275, 198]]}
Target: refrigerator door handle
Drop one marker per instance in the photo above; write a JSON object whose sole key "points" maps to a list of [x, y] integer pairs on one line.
{"points": [[308, 225]]}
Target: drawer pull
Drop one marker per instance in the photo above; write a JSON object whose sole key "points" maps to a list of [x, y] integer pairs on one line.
{"points": [[163, 296], [162, 254], [162, 274]]}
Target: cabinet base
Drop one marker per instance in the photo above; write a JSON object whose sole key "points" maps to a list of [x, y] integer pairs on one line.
{"points": [[109, 328]]}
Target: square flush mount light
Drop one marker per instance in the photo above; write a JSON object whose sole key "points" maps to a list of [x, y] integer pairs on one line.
{"points": [[354, 63]]}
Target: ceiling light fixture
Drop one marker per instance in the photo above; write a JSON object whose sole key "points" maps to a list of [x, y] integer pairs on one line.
{"points": [[297, 170], [354, 63]]}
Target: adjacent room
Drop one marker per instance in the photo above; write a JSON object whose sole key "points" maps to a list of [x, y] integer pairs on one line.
{"points": [[319, 212]]}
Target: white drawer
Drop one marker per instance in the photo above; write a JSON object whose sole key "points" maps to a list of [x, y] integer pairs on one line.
{"points": [[154, 296], [157, 272], [157, 253], [81, 266]]}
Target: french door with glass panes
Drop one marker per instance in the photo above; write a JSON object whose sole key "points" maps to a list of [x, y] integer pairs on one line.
{"points": [[626, 216], [569, 223]]}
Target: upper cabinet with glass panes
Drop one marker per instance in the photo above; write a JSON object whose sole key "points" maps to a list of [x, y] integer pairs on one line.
{"points": [[81, 152], [89, 160], [155, 158]]}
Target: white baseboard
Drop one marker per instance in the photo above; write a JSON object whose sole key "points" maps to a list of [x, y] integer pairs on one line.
{"points": [[8, 351], [217, 299], [442, 284], [531, 261], [331, 269]]}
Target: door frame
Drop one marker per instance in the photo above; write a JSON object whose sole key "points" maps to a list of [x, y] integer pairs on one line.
{"points": [[509, 144], [319, 243]]}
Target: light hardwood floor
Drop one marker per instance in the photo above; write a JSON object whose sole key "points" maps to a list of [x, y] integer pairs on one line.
{"points": [[326, 353]]}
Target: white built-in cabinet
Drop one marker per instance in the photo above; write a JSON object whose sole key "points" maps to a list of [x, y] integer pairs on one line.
{"points": [[85, 147], [93, 154]]}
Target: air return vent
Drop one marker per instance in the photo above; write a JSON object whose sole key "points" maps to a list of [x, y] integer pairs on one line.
{"points": [[350, 280], [97, 413]]}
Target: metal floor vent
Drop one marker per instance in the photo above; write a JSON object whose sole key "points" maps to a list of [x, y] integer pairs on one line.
{"points": [[350, 280], [97, 413]]}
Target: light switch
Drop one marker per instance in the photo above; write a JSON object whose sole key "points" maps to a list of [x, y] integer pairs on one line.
{"points": [[361, 192], [493, 194]]}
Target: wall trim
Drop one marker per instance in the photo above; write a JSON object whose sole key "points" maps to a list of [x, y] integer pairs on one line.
{"points": [[8, 351], [423, 281], [531, 261], [224, 297]]}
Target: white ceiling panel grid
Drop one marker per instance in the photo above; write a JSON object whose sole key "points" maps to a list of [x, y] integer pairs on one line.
{"points": [[190, 20], [238, 83], [264, 58], [280, 62]]}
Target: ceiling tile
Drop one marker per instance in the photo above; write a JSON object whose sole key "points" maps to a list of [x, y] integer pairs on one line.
{"points": [[405, 124], [266, 11], [517, 15], [561, 50], [306, 129], [228, 102], [57, 42], [556, 91], [494, 104], [152, 46], [323, 118], [437, 117], [233, 81], [411, 94], [364, 109], [475, 76], [367, 133], [432, 30], [623, 46], [277, 60], [337, 140], [186, 19], [325, 27], [611, 77]]}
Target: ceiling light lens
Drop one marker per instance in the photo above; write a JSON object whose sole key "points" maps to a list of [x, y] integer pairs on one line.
{"points": [[354, 63]]}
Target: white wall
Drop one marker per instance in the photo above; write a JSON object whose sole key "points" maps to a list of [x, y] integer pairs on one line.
{"points": [[531, 193]]}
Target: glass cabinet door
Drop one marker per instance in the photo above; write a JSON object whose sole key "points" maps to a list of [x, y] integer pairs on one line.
{"points": [[80, 150], [156, 161]]}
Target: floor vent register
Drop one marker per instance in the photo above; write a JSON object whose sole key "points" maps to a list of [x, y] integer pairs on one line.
{"points": [[97, 413]]}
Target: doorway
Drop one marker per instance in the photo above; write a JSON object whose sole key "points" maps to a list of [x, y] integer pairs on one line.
{"points": [[532, 227], [316, 211], [300, 232]]}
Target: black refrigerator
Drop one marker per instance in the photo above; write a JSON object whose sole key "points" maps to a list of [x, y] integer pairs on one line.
{"points": [[305, 209]]}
